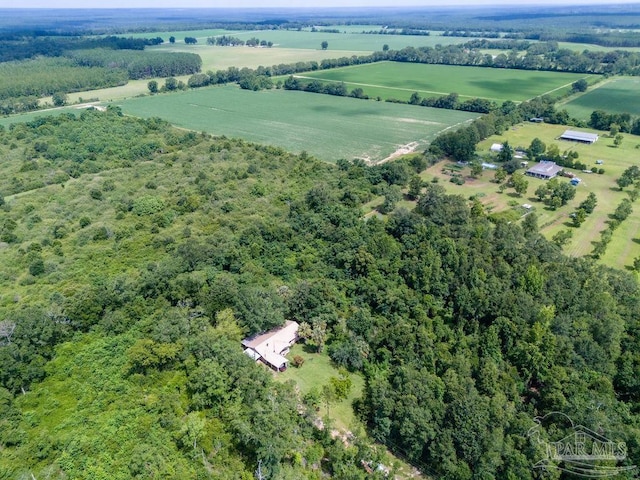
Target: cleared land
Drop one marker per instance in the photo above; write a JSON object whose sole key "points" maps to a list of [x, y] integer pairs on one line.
{"points": [[400, 80], [327, 127], [315, 373], [625, 245], [619, 95]]}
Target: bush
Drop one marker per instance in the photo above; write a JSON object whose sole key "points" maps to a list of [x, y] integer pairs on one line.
{"points": [[85, 222], [101, 233], [147, 205], [297, 361], [36, 267]]}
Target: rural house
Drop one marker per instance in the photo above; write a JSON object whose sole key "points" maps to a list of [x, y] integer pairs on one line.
{"points": [[271, 347], [544, 170], [582, 137]]}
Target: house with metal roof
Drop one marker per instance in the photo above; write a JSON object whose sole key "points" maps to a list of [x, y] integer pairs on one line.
{"points": [[271, 347], [582, 137], [544, 170]]}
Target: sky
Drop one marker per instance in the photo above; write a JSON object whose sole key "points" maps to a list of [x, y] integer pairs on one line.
{"points": [[282, 3]]}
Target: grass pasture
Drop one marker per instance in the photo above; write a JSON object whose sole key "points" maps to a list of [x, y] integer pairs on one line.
{"points": [[618, 95], [625, 245], [400, 80], [325, 126]]}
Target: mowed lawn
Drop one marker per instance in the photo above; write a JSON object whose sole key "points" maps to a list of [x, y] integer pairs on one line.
{"points": [[314, 374], [400, 80], [618, 95], [325, 126], [625, 245]]}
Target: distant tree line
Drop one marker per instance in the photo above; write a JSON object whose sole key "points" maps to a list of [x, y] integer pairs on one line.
{"points": [[20, 48], [401, 31], [470, 33], [537, 57], [230, 41], [140, 64]]}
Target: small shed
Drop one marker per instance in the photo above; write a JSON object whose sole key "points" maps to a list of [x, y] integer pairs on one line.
{"points": [[582, 137], [496, 147]]}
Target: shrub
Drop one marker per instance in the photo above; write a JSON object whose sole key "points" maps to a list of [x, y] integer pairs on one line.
{"points": [[147, 205], [101, 233], [85, 222], [297, 361], [36, 267]]}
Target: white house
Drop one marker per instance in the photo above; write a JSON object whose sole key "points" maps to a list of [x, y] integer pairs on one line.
{"points": [[272, 346]]}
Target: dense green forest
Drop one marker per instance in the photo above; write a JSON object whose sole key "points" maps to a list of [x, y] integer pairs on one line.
{"points": [[129, 280]]}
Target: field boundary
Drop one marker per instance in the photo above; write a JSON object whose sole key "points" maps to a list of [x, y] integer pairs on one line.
{"points": [[373, 85], [556, 89]]}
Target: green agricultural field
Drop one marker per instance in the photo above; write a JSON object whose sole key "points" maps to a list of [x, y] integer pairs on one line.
{"points": [[581, 47], [325, 126], [625, 245], [221, 58], [400, 80], [619, 95], [305, 39]]}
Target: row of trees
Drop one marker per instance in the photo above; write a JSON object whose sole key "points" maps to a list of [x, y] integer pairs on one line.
{"points": [[140, 64], [230, 41], [615, 122], [622, 62]]}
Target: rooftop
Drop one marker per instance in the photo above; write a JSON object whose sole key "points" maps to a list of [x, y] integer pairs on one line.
{"points": [[579, 136], [545, 169]]}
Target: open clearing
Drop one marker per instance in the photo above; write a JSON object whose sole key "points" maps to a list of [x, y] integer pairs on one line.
{"points": [[624, 246], [618, 95], [325, 126], [400, 80], [315, 373]]}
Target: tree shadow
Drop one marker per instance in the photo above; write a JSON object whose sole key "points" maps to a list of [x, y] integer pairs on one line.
{"points": [[306, 348], [636, 240]]}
